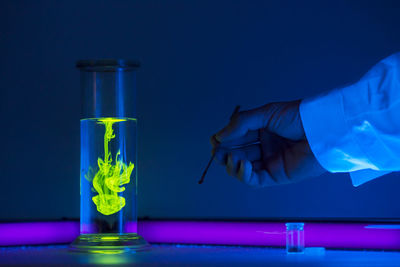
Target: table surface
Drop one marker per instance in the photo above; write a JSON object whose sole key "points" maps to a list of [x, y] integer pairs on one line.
{"points": [[195, 255]]}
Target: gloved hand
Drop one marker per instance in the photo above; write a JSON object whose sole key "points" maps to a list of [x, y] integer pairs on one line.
{"points": [[283, 155]]}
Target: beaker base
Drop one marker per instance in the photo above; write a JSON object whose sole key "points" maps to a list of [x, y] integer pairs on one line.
{"points": [[109, 243]]}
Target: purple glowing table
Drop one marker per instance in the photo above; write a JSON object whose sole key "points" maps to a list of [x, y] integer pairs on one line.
{"points": [[329, 235]]}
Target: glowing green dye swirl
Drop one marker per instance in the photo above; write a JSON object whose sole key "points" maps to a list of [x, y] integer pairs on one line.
{"points": [[110, 177]]}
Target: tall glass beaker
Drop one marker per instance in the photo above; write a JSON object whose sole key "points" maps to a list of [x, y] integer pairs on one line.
{"points": [[108, 220]]}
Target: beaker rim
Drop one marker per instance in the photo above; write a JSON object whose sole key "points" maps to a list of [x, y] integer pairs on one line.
{"points": [[107, 63]]}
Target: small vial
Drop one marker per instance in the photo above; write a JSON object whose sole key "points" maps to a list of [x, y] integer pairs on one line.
{"points": [[294, 238]]}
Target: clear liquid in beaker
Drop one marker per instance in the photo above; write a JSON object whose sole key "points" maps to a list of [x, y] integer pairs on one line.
{"points": [[108, 176]]}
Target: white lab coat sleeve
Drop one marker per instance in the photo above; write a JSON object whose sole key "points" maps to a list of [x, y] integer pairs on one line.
{"points": [[356, 129]]}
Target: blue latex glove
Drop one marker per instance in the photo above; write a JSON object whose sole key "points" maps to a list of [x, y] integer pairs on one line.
{"points": [[283, 156]]}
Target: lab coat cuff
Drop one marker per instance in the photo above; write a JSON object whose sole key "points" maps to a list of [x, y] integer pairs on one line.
{"points": [[328, 134]]}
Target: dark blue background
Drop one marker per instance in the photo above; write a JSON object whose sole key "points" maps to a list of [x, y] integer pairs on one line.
{"points": [[199, 60]]}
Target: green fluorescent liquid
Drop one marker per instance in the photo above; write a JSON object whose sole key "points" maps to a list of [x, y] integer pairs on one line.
{"points": [[111, 176], [108, 180]]}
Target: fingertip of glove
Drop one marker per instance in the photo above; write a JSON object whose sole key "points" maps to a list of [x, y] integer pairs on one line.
{"points": [[245, 170]]}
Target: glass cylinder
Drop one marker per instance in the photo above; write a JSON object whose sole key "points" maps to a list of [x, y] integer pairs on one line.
{"points": [[108, 214], [294, 238]]}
